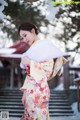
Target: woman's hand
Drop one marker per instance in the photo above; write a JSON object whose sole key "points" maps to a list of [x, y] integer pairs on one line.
{"points": [[24, 98], [25, 60]]}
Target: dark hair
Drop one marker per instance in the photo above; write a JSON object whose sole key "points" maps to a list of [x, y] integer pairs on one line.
{"points": [[27, 26]]}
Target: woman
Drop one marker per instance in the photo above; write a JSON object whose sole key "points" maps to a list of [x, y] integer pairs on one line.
{"points": [[39, 68]]}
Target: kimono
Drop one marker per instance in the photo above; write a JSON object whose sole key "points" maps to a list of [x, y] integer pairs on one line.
{"points": [[36, 87]]}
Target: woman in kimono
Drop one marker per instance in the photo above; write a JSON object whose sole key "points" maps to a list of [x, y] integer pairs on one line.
{"points": [[39, 64]]}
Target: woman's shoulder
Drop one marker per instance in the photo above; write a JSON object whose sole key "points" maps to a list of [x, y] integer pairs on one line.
{"points": [[40, 44]]}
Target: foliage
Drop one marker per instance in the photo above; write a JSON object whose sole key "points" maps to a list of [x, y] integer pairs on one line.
{"points": [[19, 12], [68, 15], [69, 12]]}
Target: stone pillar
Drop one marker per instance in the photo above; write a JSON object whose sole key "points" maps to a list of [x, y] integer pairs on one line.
{"points": [[66, 78]]}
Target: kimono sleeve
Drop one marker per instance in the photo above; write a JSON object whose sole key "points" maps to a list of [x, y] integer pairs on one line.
{"points": [[41, 70]]}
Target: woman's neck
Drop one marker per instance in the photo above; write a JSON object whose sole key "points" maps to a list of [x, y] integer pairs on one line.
{"points": [[36, 40]]}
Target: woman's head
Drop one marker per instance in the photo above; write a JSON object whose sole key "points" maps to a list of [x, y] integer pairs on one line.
{"points": [[28, 32]]}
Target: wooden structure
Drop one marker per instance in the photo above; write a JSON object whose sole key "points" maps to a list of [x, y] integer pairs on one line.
{"points": [[69, 74], [72, 79], [14, 60], [77, 81]]}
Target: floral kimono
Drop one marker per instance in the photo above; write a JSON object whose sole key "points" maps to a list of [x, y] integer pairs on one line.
{"points": [[36, 87]]}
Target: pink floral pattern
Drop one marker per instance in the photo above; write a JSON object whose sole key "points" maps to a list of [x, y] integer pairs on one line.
{"points": [[37, 90]]}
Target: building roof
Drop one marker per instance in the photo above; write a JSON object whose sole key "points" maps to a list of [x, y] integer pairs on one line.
{"points": [[8, 55], [20, 47], [14, 51]]}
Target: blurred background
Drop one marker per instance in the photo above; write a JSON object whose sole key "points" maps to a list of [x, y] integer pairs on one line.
{"points": [[59, 23], [56, 22]]}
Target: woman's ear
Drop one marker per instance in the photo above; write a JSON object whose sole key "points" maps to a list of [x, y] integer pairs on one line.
{"points": [[33, 30]]}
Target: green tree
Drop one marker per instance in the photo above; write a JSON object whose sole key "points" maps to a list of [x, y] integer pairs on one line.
{"points": [[19, 12], [69, 12]]}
